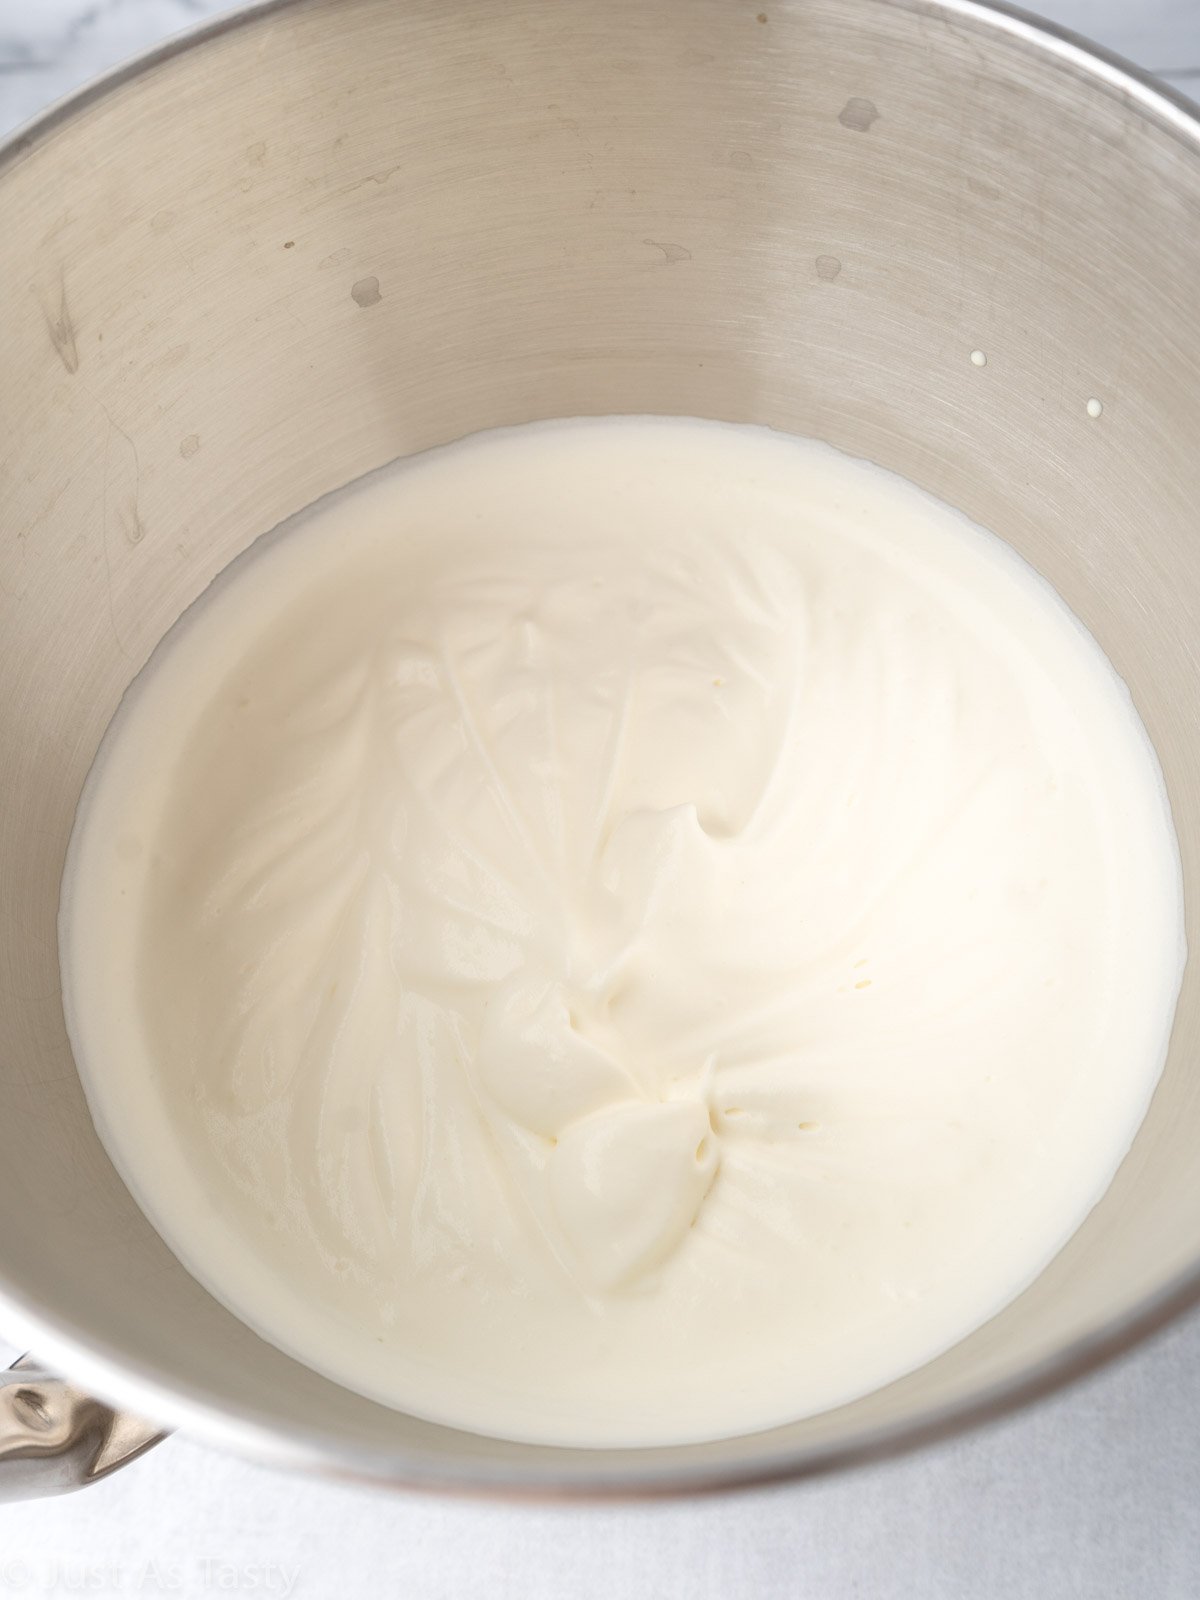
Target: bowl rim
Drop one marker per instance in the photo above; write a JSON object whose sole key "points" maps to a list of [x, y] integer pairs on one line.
{"points": [[578, 1474]]}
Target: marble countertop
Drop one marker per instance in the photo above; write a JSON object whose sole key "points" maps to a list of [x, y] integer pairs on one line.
{"points": [[1093, 1494], [49, 47]]}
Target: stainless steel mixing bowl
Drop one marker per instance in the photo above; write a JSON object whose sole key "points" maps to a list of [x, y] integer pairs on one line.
{"points": [[329, 232]]}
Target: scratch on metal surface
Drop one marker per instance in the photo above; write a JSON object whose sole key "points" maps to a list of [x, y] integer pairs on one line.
{"points": [[133, 526], [379, 178], [671, 252], [60, 325]]}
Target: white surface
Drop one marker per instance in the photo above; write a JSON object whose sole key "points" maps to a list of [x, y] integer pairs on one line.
{"points": [[1095, 1494]]}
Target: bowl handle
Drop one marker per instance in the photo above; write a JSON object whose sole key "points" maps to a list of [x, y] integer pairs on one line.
{"points": [[53, 1437]]}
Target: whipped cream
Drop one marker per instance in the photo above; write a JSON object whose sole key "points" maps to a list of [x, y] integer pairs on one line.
{"points": [[622, 931]]}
